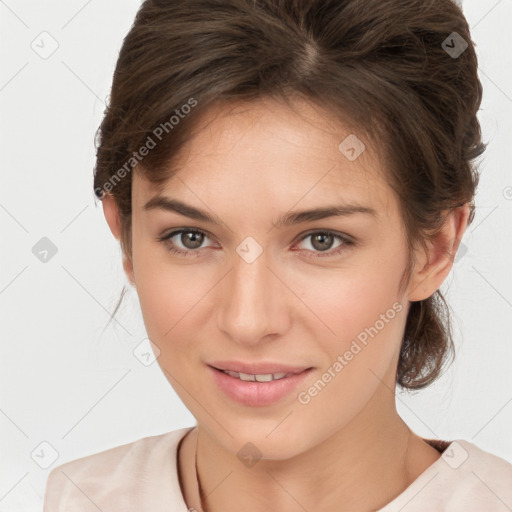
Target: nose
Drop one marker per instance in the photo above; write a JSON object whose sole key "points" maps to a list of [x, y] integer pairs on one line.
{"points": [[255, 302]]}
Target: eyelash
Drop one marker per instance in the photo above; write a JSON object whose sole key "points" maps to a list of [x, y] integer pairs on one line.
{"points": [[194, 253]]}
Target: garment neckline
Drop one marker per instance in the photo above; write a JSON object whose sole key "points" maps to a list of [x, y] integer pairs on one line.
{"points": [[428, 474], [440, 445]]}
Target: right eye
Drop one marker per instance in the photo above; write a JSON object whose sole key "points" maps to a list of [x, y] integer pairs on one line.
{"points": [[194, 236]]}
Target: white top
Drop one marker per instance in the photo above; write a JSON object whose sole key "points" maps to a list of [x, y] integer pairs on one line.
{"points": [[143, 477]]}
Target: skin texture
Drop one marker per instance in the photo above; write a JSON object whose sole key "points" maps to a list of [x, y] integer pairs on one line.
{"points": [[347, 449]]}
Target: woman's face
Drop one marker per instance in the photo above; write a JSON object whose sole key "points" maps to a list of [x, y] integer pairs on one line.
{"points": [[250, 289]]}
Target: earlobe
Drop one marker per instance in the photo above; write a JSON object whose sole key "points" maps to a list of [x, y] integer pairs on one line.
{"points": [[128, 269], [111, 212], [435, 265]]}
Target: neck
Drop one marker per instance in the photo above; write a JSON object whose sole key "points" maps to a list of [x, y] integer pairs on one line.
{"points": [[363, 466]]}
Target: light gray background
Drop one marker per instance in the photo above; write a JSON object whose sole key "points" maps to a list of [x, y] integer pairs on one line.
{"points": [[67, 383]]}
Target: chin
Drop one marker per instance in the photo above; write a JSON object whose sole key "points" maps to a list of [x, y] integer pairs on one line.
{"points": [[266, 441]]}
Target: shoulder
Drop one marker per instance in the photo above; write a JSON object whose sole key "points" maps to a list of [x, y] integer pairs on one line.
{"points": [[465, 478], [120, 478], [485, 478]]}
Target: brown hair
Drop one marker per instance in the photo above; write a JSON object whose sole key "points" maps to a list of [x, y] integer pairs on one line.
{"points": [[387, 68]]}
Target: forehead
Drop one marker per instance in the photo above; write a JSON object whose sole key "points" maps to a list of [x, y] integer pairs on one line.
{"points": [[265, 149]]}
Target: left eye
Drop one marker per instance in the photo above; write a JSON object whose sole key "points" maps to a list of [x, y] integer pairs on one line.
{"points": [[321, 241]]}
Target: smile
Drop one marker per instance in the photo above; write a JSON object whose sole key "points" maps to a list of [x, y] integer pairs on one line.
{"points": [[249, 377], [257, 390]]}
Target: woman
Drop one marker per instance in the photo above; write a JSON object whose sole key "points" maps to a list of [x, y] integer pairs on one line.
{"points": [[289, 182]]}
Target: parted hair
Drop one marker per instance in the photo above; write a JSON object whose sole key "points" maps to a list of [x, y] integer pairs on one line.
{"points": [[402, 74]]}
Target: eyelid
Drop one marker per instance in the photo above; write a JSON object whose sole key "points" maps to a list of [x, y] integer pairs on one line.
{"points": [[173, 232], [347, 241], [333, 232], [299, 237], [166, 240]]}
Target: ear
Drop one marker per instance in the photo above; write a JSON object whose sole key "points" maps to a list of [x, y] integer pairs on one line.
{"points": [[113, 218], [433, 267]]}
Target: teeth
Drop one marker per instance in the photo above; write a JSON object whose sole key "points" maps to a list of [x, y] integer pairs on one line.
{"points": [[249, 377], [264, 378], [229, 372]]}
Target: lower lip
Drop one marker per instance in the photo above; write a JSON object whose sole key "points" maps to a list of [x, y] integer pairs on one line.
{"points": [[257, 394]]}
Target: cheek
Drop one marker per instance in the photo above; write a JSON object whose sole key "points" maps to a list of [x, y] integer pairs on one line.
{"points": [[362, 321], [168, 294], [361, 307], [350, 299]]}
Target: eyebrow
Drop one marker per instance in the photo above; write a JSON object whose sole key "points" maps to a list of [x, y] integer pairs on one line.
{"points": [[297, 217]]}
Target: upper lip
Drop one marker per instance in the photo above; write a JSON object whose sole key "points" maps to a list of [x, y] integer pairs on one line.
{"points": [[261, 368]]}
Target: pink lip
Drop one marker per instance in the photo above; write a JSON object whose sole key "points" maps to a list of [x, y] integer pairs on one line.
{"points": [[256, 368], [257, 394]]}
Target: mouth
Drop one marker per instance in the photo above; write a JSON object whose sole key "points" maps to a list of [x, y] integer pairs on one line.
{"points": [[258, 377], [258, 389]]}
